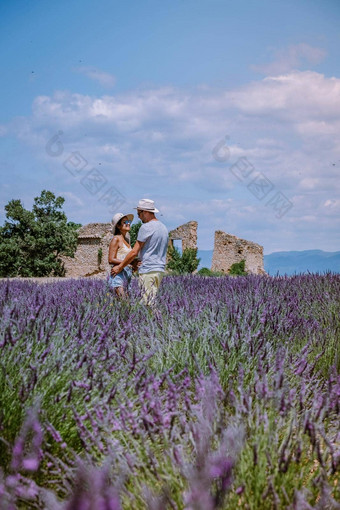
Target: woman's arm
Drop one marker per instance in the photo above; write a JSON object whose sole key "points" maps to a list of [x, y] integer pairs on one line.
{"points": [[128, 259], [113, 249]]}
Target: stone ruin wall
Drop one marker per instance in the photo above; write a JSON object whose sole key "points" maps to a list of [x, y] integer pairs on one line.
{"points": [[229, 249], [86, 262], [187, 233]]}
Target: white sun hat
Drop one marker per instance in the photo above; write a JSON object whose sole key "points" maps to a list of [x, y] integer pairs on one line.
{"points": [[116, 219], [145, 204]]}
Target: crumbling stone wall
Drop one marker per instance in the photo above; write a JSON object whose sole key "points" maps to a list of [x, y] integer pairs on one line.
{"points": [[187, 233], [92, 239], [229, 249], [97, 236]]}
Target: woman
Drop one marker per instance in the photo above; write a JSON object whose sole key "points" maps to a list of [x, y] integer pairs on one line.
{"points": [[118, 249]]}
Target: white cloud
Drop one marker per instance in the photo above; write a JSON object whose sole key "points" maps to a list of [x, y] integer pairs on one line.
{"points": [[159, 143], [72, 197], [293, 57], [107, 80], [332, 203], [309, 183], [295, 97], [331, 208]]}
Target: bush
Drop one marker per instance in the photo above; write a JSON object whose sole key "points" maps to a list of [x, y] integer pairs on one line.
{"points": [[100, 256], [204, 271], [184, 263], [238, 269], [134, 232]]}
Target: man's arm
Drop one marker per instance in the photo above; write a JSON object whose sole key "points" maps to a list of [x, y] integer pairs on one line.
{"points": [[128, 259]]}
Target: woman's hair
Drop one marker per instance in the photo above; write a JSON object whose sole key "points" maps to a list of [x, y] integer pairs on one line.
{"points": [[117, 231]]}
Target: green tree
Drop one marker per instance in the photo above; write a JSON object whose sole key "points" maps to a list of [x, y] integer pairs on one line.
{"points": [[134, 232], [31, 242], [204, 271], [238, 269], [184, 263]]}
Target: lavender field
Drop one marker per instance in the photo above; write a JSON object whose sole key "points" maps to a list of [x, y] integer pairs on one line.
{"points": [[226, 396]]}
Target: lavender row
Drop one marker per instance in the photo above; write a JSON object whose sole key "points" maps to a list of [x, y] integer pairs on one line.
{"points": [[225, 396]]}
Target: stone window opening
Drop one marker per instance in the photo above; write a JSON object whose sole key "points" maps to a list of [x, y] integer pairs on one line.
{"points": [[178, 244]]}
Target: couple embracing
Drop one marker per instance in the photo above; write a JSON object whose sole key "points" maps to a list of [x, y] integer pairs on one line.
{"points": [[151, 247]]}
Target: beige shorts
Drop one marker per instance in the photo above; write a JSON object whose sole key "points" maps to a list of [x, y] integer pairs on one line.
{"points": [[149, 283]]}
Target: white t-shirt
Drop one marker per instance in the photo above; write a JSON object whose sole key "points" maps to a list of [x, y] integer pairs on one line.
{"points": [[153, 254]]}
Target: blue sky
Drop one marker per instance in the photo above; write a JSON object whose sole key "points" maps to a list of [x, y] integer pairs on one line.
{"points": [[225, 112]]}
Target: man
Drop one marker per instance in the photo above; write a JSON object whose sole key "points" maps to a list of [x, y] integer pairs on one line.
{"points": [[152, 243]]}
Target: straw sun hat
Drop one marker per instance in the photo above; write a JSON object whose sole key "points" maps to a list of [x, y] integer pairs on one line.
{"points": [[116, 219], [145, 204]]}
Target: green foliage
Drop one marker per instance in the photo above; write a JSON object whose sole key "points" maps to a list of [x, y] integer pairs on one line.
{"points": [[184, 263], [31, 242], [204, 271], [238, 269], [100, 256], [134, 232]]}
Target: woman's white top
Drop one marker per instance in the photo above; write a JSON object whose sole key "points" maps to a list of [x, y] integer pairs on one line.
{"points": [[123, 251]]}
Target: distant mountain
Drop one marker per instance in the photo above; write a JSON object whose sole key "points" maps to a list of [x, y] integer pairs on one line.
{"points": [[290, 262]]}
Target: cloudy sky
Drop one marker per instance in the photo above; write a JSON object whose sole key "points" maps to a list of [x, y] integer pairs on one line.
{"points": [[224, 112]]}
